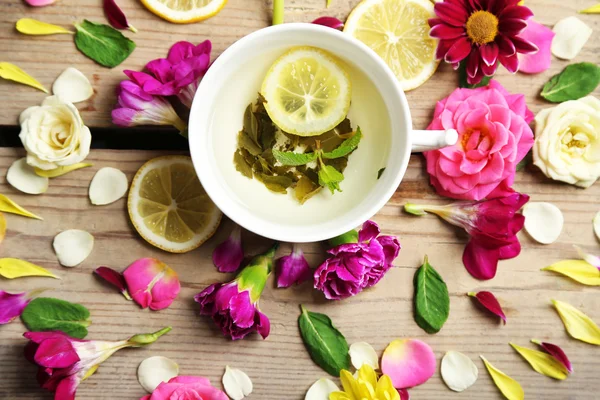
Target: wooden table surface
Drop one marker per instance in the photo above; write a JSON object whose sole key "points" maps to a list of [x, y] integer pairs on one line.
{"points": [[279, 366]]}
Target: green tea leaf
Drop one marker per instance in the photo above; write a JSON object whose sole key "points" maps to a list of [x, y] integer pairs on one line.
{"points": [[292, 159], [241, 163], [380, 172], [574, 82], [102, 43], [305, 189], [251, 124], [462, 78], [326, 345], [347, 146], [246, 142], [49, 314], [330, 178], [431, 301], [277, 184]]}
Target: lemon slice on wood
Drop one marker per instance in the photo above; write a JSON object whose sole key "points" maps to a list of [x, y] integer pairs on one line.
{"points": [[168, 206], [308, 91], [398, 31], [184, 11]]}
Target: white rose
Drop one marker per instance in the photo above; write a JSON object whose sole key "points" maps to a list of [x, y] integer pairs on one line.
{"points": [[54, 134], [567, 141]]}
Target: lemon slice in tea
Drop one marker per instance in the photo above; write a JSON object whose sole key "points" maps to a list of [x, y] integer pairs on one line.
{"points": [[308, 91], [168, 206]]}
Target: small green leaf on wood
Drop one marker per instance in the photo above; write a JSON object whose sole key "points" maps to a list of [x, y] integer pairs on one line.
{"points": [[49, 314], [574, 82], [326, 345], [431, 301], [102, 43]]}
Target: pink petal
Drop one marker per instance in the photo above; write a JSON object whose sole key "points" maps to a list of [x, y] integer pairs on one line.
{"points": [[556, 352], [66, 388], [510, 250], [541, 36], [524, 46], [408, 362], [12, 305], [115, 15], [39, 3], [459, 50], [489, 301], [443, 31], [152, 283], [512, 26], [228, 256], [56, 353], [505, 45], [442, 49], [113, 277], [519, 12], [188, 380], [511, 63], [242, 310], [39, 337], [264, 325], [489, 53], [369, 231], [404, 395], [330, 22], [480, 261], [292, 269], [451, 13]]}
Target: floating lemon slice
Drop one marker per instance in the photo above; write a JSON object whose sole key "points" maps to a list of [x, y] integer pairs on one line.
{"points": [[184, 11], [398, 31], [308, 92], [168, 206]]}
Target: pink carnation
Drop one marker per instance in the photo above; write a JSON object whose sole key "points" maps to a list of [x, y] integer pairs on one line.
{"points": [[494, 136]]}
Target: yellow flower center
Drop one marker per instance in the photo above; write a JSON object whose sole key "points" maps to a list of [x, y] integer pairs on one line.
{"points": [[482, 27]]}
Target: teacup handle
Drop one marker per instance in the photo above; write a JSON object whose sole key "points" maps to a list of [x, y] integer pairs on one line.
{"points": [[432, 140]]}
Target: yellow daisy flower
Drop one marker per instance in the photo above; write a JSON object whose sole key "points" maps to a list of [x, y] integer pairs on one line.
{"points": [[365, 386]]}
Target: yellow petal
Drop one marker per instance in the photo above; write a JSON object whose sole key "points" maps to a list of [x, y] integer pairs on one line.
{"points": [[2, 227], [30, 26], [577, 324], [510, 388], [367, 373], [578, 270], [60, 171], [386, 390], [12, 268], [592, 10], [13, 73], [340, 396], [542, 362], [9, 206], [349, 384]]}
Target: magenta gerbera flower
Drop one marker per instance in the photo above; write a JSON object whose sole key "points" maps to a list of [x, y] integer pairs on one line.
{"points": [[482, 33]]}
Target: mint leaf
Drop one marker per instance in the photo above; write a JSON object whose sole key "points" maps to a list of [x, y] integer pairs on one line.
{"points": [[49, 314], [347, 146], [293, 159], [431, 301], [330, 178], [464, 83], [574, 82], [102, 43]]}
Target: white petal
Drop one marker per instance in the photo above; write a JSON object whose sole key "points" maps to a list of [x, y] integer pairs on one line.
{"points": [[154, 370], [571, 35], [236, 383], [72, 86], [72, 247], [543, 221], [22, 177], [363, 353], [108, 185], [321, 389], [458, 371], [596, 223]]}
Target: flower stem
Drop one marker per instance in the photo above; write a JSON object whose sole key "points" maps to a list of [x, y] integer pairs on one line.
{"points": [[278, 12]]}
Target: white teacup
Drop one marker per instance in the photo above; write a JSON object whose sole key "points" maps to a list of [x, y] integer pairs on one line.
{"points": [[379, 107]]}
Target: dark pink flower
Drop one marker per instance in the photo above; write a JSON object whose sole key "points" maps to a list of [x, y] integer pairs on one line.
{"points": [[482, 33], [493, 226], [65, 362], [330, 22], [228, 256], [233, 306], [494, 136], [356, 266], [292, 269], [186, 388]]}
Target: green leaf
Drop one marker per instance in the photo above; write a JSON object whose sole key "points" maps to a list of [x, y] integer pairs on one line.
{"points": [[246, 142], [330, 178], [326, 345], [241, 163], [380, 172], [251, 125], [431, 301], [49, 314], [347, 146], [574, 82], [293, 159], [102, 43], [305, 189], [462, 78]]}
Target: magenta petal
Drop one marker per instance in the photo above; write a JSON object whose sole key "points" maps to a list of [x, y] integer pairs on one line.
{"points": [[66, 388], [263, 325], [404, 395], [228, 256], [56, 353], [556, 352], [459, 50], [517, 12], [505, 45], [480, 261], [115, 15], [292, 269], [489, 53], [113, 277], [524, 46], [369, 231], [443, 31], [510, 26], [541, 36], [489, 301], [330, 22], [11, 305], [242, 310], [510, 63], [152, 283], [451, 13], [510, 250]]}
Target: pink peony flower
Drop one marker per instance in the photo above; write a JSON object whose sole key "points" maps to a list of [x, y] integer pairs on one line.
{"points": [[228, 256], [483, 33], [541, 36], [186, 388], [493, 226], [355, 266], [494, 136], [233, 306], [65, 362], [292, 269]]}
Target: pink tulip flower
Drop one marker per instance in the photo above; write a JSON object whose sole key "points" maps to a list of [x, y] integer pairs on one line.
{"points": [[186, 387]]}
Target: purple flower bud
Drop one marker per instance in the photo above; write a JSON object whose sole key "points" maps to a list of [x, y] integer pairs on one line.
{"points": [[228, 256], [292, 269]]}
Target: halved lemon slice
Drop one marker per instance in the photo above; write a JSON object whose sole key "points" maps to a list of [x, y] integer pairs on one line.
{"points": [[398, 31], [168, 206], [308, 91], [184, 11]]}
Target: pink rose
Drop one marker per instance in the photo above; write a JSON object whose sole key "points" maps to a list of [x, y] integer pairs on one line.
{"points": [[494, 136], [186, 388]]}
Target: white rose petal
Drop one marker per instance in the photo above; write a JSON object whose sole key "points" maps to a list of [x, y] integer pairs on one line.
{"points": [[363, 353], [236, 383], [458, 371], [571, 35], [108, 185], [321, 389], [543, 221], [596, 223], [72, 247], [72, 86], [154, 370], [23, 177]]}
